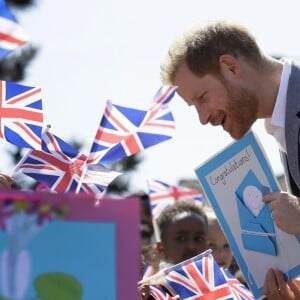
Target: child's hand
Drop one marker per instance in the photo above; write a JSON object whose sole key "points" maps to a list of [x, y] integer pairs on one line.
{"points": [[5, 182]]}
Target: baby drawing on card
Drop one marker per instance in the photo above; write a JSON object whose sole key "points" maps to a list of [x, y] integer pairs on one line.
{"points": [[257, 228], [252, 197]]}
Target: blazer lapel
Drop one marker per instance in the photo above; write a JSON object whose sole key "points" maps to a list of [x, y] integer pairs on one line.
{"points": [[292, 123]]}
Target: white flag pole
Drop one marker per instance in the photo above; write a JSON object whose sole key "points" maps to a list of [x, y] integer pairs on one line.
{"points": [[84, 170]]}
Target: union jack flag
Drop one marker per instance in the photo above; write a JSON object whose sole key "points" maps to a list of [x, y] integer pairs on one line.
{"points": [[99, 174], [163, 96], [148, 271], [158, 293], [12, 35], [200, 278], [162, 195], [21, 115], [126, 131], [59, 165], [238, 290]]}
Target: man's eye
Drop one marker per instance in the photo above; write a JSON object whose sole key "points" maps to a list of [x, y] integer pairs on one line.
{"points": [[201, 97]]}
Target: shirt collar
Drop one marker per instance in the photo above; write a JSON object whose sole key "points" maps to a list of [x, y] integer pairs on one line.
{"points": [[278, 115]]}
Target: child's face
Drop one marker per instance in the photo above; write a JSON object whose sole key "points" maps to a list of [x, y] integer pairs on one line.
{"points": [[184, 238], [218, 243]]}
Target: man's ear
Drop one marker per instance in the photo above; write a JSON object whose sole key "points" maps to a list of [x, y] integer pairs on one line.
{"points": [[230, 67]]}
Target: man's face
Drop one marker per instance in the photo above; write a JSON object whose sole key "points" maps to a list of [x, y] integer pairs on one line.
{"points": [[218, 101], [184, 238]]}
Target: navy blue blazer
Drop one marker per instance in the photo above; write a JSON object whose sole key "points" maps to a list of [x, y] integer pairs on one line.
{"points": [[292, 133]]}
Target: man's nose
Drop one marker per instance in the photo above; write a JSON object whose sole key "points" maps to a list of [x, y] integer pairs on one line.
{"points": [[203, 115]]}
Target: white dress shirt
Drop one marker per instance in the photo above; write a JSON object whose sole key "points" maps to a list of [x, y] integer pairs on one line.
{"points": [[276, 125]]}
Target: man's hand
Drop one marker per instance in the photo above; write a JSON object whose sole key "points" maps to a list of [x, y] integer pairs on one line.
{"points": [[276, 288], [285, 210]]}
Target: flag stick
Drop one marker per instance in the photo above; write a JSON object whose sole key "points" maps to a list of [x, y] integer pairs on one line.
{"points": [[84, 167], [156, 230]]}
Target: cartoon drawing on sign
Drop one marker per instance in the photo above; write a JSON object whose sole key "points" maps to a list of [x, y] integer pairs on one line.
{"points": [[257, 228], [21, 221], [52, 286]]}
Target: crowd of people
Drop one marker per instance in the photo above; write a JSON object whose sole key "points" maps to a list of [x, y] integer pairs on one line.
{"points": [[219, 69], [186, 229]]}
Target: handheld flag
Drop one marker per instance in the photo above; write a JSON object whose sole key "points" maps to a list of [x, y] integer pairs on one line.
{"points": [[163, 96], [60, 166], [99, 174], [162, 195], [126, 131], [12, 34], [148, 271], [158, 293], [239, 290], [21, 115], [201, 278], [198, 278]]}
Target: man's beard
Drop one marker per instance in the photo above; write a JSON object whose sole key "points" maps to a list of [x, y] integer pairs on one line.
{"points": [[241, 109]]}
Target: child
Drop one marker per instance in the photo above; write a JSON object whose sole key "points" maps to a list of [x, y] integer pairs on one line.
{"points": [[217, 241], [183, 230]]}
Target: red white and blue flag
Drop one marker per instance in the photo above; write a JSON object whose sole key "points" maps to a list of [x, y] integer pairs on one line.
{"points": [[201, 278], [59, 165], [148, 271], [21, 115], [159, 293], [125, 131], [162, 195], [163, 96], [12, 34], [239, 290]]}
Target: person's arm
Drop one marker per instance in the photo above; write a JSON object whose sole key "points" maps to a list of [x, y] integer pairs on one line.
{"points": [[285, 210]]}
